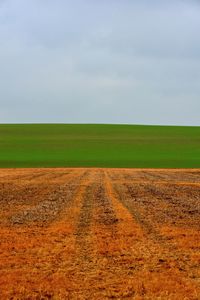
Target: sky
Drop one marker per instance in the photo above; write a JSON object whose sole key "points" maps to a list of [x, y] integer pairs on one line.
{"points": [[92, 61]]}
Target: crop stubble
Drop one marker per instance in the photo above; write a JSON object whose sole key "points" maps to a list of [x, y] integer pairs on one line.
{"points": [[99, 234]]}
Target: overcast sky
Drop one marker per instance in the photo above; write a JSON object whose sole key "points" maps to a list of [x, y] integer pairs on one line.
{"points": [[100, 61]]}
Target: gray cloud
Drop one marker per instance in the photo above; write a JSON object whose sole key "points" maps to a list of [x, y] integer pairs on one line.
{"points": [[100, 61]]}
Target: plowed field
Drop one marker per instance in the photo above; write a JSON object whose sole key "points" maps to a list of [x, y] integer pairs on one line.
{"points": [[99, 234]]}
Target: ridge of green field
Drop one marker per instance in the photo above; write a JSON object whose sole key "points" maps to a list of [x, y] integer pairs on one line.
{"points": [[99, 145]]}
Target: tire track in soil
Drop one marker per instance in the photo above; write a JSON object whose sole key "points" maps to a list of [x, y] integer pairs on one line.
{"points": [[97, 217], [96, 227], [83, 231], [82, 265], [134, 205], [165, 252], [105, 220], [124, 195], [149, 212], [116, 238]]}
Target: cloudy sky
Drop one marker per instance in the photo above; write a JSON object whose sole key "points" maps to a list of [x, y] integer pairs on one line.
{"points": [[100, 61]]}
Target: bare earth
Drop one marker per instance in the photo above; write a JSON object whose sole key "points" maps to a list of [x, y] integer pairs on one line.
{"points": [[99, 234]]}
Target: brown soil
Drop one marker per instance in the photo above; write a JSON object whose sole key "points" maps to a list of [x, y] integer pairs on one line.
{"points": [[99, 234]]}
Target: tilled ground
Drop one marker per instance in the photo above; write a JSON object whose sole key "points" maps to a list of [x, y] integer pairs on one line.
{"points": [[99, 234]]}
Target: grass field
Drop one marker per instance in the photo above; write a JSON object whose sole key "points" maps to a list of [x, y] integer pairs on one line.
{"points": [[54, 145]]}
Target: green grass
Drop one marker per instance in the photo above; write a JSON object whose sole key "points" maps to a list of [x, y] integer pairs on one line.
{"points": [[58, 145]]}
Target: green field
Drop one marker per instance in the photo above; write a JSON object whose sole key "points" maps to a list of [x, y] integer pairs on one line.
{"points": [[58, 145]]}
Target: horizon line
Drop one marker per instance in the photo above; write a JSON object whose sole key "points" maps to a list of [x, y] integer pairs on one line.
{"points": [[84, 123]]}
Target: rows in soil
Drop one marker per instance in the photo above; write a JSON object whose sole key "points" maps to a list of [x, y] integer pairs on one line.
{"points": [[100, 234]]}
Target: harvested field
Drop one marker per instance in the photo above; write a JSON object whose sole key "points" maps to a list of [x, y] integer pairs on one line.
{"points": [[99, 234]]}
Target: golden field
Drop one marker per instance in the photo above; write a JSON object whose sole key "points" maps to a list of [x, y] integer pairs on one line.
{"points": [[99, 234]]}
